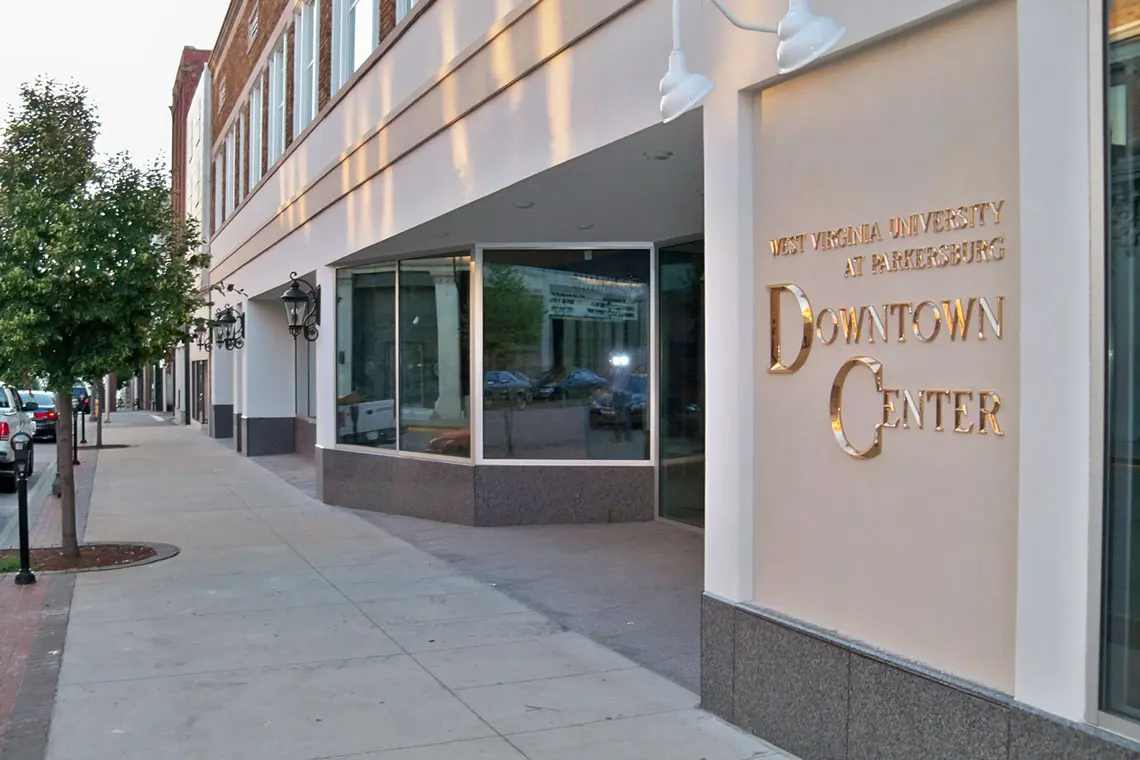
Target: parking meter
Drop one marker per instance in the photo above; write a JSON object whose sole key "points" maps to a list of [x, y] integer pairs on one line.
{"points": [[21, 449]]}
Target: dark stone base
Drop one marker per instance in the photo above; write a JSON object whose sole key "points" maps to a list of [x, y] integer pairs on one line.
{"points": [[266, 436], [484, 495], [820, 697], [237, 432], [222, 421], [305, 437]]}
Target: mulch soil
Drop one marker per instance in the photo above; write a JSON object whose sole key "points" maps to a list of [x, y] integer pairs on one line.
{"points": [[90, 557]]}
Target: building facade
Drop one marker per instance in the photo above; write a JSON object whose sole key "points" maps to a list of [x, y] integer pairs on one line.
{"points": [[895, 394], [192, 180]]}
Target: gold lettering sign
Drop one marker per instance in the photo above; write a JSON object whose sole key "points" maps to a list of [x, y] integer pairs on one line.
{"points": [[946, 321]]}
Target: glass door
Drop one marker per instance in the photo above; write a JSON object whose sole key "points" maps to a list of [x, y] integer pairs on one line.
{"points": [[680, 279]]}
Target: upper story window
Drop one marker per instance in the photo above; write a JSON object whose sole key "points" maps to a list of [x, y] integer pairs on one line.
{"points": [[251, 29], [241, 157], [231, 162], [219, 205], [276, 136], [355, 34], [305, 23], [256, 104], [403, 8]]}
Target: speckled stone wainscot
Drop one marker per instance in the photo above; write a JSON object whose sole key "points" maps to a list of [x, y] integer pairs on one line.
{"points": [[267, 436], [222, 421], [823, 698], [484, 495]]}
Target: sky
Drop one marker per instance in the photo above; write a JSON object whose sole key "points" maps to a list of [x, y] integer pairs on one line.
{"points": [[128, 72]]}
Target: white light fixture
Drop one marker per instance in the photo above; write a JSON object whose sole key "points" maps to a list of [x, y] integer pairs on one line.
{"points": [[804, 38], [523, 204]]}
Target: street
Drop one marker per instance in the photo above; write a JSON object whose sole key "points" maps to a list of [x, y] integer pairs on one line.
{"points": [[45, 463]]}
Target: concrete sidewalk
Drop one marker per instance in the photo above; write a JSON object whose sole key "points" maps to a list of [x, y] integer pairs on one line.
{"points": [[290, 630]]}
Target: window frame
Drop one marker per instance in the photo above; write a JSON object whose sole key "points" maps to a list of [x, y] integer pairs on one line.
{"points": [[306, 64], [277, 93], [346, 59], [403, 8], [256, 130], [230, 154], [219, 215], [476, 363]]}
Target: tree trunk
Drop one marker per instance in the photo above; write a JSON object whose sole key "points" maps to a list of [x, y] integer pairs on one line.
{"points": [[102, 395], [70, 538]]}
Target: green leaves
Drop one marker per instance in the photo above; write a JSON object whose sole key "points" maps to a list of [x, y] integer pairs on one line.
{"points": [[96, 272]]}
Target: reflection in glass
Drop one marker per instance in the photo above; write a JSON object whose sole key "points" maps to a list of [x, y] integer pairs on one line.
{"points": [[366, 356], [1121, 682], [305, 368], [434, 356], [566, 354], [680, 316]]}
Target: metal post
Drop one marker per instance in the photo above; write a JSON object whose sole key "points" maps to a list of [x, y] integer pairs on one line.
{"points": [[74, 434], [186, 381], [83, 426], [20, 444]]}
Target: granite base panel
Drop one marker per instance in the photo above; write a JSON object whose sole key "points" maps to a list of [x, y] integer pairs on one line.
{"points": [[267, 436], [822, 698], [484, 496], [305, 436], [237, 432], [222, 421]]}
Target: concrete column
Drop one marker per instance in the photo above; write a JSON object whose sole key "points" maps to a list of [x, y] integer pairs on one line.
{"points": [[449, 404], [238, 395], [222, 393], [113, 393], [268, 395], [730, 340], [333, 351]]}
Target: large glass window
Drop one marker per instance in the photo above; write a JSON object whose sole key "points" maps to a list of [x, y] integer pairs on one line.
{"points": [[1121, 654], [305, 369], [305, 71], [434, 356], [366, 356], [566, 354], [277, 72]]}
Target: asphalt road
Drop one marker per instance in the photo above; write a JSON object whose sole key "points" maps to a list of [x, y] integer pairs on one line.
{"points": [[45, 463]]}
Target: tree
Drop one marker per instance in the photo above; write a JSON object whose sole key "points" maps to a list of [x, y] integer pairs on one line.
{"points": [[96, 271], [512, 317]]}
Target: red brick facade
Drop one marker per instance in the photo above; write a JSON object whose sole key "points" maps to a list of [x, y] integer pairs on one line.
{"points": [[236, 59]]}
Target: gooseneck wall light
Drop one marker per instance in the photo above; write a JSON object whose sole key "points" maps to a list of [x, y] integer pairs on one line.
{"points": [[803, 38], [302, 308]]}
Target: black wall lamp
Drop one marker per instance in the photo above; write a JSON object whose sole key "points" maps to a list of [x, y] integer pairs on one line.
{"points": [[302, 308], [204, 336], [229, 328]]}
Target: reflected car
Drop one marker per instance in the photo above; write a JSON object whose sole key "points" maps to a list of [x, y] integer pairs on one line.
{"points": [[45, 414], [560, 385], [457, 443], [365, 423], [602, 412], [508, 388], [81, 399]]}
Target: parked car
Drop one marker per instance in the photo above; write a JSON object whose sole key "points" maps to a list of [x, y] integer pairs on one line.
{"points": [[366, 423], [509, 388], [561, 385], [602, 408], [45, 413], [14, 418], [457, 443], [81, 399]]}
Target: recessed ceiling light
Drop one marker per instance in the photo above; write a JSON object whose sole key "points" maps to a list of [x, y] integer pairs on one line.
{"points": [[523, 204], [442, 234], [658, 155], [585, 226]]}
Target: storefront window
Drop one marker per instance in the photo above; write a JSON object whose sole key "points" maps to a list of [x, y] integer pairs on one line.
{"points": [[305, 366], [366, 356], [566, 354], [435, 356], [1121, 654]]}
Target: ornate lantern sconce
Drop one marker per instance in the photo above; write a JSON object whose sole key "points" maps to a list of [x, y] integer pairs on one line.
{"points": [[229, 328], [302, 308], [204, 336]]}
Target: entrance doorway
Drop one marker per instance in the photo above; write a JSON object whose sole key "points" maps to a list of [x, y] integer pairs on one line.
{"points": [[681, 487]]}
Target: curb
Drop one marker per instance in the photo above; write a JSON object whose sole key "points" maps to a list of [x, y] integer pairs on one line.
{"points": [[36, 499]]}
